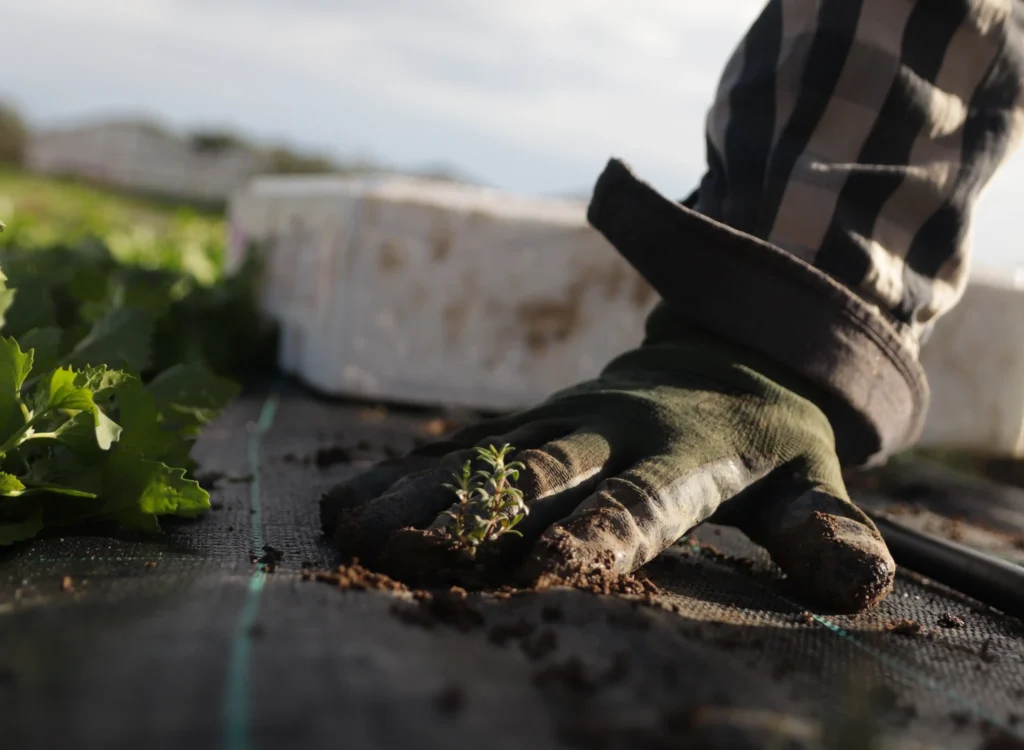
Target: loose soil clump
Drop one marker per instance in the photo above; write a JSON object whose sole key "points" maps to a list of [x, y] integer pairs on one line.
{"points": [[355, 576], [426, 560], [949, 620], [904, 627], [600, 580]]}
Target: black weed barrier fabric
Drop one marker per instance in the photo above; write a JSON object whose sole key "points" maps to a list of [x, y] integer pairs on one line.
{"points": [[188, 641]]}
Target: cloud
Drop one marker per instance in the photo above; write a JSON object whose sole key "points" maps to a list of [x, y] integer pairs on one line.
{"points": [[531, 95], [570, 81]]}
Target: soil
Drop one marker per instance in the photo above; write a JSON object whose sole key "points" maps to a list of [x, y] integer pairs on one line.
{"points": [[436, 427], [949, 620], [904, 627], [426, 560], [598, 578], [355, 576], [271, 555]]}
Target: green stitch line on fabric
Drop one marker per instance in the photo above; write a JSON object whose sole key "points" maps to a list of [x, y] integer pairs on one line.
{"points": [[237, 718]]}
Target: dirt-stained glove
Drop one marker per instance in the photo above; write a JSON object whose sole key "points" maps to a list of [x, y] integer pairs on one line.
{"points": [[684, 429]]}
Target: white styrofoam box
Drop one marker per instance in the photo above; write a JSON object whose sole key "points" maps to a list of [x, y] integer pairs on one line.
{"points": [[975, 364], [425, 292], [437, 293]]}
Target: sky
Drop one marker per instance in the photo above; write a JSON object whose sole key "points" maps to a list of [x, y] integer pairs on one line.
{"points": [[530, 96]]}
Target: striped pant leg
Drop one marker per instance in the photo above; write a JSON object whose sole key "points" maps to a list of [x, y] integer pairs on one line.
{"points": [[857, 135]]}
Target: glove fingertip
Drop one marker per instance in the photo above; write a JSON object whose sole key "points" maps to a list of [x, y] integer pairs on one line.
{"points": [[838, 561]]}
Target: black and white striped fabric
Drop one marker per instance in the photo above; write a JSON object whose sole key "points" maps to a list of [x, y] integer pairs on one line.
{"points": [[857, 135]]}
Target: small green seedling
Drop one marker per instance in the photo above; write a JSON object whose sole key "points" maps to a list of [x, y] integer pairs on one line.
{"points": [[489, 506]]}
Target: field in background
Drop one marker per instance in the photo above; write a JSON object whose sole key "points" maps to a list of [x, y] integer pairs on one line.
{"points": [[42, 212]]}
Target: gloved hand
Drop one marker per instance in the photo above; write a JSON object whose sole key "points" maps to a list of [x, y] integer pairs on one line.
{"points": [[684, 429]]}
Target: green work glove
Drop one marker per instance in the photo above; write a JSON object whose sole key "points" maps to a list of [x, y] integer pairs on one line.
{"points": [[684, 429]]}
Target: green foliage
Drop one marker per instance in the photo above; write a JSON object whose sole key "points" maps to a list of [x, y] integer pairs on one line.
{"points": [[44, 213], [110, 364], [489, 506], [94, 442]]}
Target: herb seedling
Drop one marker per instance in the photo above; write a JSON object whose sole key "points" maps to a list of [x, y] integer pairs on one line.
{"points": [[489, 506]]}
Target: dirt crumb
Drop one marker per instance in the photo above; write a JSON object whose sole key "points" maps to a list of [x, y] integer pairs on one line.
{"points": [[435, 427], [450, 701], [904, 627], [600, 580], [331, 455], [949, 620], [953, 529], [355, 576], [271, 555]]}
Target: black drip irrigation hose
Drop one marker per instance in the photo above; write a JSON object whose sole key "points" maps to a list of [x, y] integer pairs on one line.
{"points": [[986, 578]]}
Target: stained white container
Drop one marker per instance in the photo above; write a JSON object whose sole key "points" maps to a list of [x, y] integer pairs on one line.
{"points": [[426, 292], [436, 293], [975, 364]]}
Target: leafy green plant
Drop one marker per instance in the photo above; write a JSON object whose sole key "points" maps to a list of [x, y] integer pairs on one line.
{"points": [[488, 506], [78, 444], [110, 363]]}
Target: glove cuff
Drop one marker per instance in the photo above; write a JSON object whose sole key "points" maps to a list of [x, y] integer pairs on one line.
{"points": [[750, 292]]}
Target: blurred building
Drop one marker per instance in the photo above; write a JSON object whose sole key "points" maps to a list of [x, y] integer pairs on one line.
{"points": [[142, 157]]}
